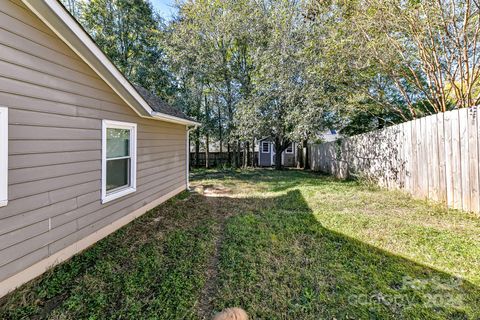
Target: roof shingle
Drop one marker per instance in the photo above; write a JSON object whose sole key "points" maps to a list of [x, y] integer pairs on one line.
{"points": [[158, 105]]}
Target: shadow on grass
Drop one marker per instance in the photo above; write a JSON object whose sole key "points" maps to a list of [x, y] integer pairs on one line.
{"points": [[279, 262], [275, 259]]}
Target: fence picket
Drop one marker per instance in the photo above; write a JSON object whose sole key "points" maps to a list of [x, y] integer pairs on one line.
{"points": [[473, 159], [442, 179], [449, 157], [456, 162], [464, 158], [424, 157], [429, 158], [434, 168], [408, 156], [435, 157]]}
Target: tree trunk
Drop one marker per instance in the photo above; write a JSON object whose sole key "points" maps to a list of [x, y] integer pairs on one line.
{"points": [[220, 134], [280, 145], [277, 144], [197, 148], [207, 152], [239, 158], [253, 153], [306, 161], [278, 161], [229, 155], [197, 133], [300, 156], [246, 151], [207, 117]]}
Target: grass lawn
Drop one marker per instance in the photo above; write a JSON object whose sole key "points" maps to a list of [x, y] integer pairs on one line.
{"points": [[282, 245]]}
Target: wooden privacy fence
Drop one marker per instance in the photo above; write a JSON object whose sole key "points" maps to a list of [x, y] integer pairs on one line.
{"points": [[216, 159], [435, 157]]}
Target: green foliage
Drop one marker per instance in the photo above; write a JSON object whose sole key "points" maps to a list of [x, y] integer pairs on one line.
{"points": [[290, 69], [252, 58], [411, 58], [132, 36]]}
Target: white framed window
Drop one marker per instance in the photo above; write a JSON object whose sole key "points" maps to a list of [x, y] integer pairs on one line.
{"points": [[265, 147], [119, 159], [289, 148], [3, 156]]}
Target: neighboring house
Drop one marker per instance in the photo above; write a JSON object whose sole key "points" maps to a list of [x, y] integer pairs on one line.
{"points": [[213, 146], [329, 135], [82, 151], [266, 155]]}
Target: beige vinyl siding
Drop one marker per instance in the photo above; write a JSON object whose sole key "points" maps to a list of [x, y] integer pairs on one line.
{"points": [[56, 107]]}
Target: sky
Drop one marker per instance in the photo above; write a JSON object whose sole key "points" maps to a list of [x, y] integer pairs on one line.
{"points": [[165, 7]]}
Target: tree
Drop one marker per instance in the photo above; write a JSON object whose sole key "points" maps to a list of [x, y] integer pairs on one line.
{"points": [[411, 57], [207, 45], [74, 7], [288, 69], [131, 34], [252, 56], [286, 99]]}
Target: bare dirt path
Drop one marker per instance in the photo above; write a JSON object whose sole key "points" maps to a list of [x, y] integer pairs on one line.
{"points": [[216, 196]]}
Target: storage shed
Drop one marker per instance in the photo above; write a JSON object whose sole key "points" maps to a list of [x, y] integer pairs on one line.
{"points": [[266, 154]]}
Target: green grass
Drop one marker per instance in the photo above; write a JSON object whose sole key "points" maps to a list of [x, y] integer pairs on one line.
{"points": [[152, 268], [282, 245]]}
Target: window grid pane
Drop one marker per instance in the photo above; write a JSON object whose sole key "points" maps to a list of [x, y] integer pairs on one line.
{"points": [[265, 147], [118, 143], [118, 174]]}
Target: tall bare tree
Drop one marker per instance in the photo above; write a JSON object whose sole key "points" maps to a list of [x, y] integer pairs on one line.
{"points": [[427, 51]]}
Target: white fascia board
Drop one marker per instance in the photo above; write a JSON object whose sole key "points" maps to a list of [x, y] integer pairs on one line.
{"points": [[169, 118], [59, 20]]}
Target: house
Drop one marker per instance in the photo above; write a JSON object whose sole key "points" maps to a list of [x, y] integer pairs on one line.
{"points": [[266, 155], [82, 151], [329, 135]]}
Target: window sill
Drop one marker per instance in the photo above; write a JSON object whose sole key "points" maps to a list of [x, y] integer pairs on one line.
{"points": [[117, 194], [3, 203]]}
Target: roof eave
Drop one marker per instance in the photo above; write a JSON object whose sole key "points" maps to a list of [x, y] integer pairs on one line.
{"points": [[169, 118], [59, 20]]}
